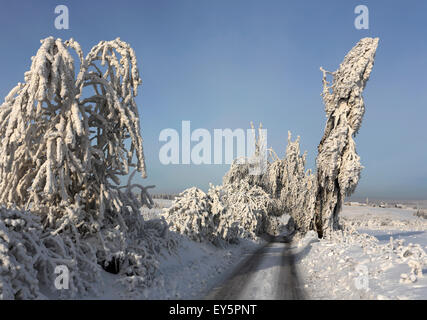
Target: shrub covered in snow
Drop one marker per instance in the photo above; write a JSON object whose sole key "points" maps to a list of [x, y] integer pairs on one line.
{"points": [[202, 216], [190, 214], [249, 206], [28, 257], [422, 213], [225, 213], [20, 251]]}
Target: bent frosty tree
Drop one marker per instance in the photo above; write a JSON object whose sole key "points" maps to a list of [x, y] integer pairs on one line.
{"points": [[338, 165], [66, 136], [62, 136]]}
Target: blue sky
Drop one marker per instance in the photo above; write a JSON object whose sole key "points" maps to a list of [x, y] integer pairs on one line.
{"points": [[222, 64]]}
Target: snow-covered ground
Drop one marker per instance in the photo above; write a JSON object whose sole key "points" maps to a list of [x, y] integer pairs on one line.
{"points": [[381, 255], [190, 273], [384, 257]]}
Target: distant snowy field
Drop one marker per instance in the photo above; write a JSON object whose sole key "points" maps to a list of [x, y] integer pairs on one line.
{"points": [[385, 258]]}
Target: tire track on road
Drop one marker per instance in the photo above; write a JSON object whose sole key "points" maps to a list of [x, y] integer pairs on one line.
{"points": [[269, 273]]}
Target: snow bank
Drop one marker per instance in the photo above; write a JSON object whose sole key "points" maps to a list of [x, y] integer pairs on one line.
{"points": [[189, 273], [385, 260]]}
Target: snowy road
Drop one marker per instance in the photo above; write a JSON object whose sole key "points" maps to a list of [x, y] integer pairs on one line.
{"points": [[268, 273]]}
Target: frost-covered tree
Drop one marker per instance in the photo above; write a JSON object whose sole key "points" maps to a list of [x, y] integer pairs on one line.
{"points": [[66, 136], [294, 187], [252, 168], [240, 208], [287, 182], [338, 165], [314, 201], [62, 135], [289, 185]]}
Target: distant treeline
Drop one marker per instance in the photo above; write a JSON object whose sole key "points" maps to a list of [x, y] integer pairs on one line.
{"points": [[164, 196]]}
